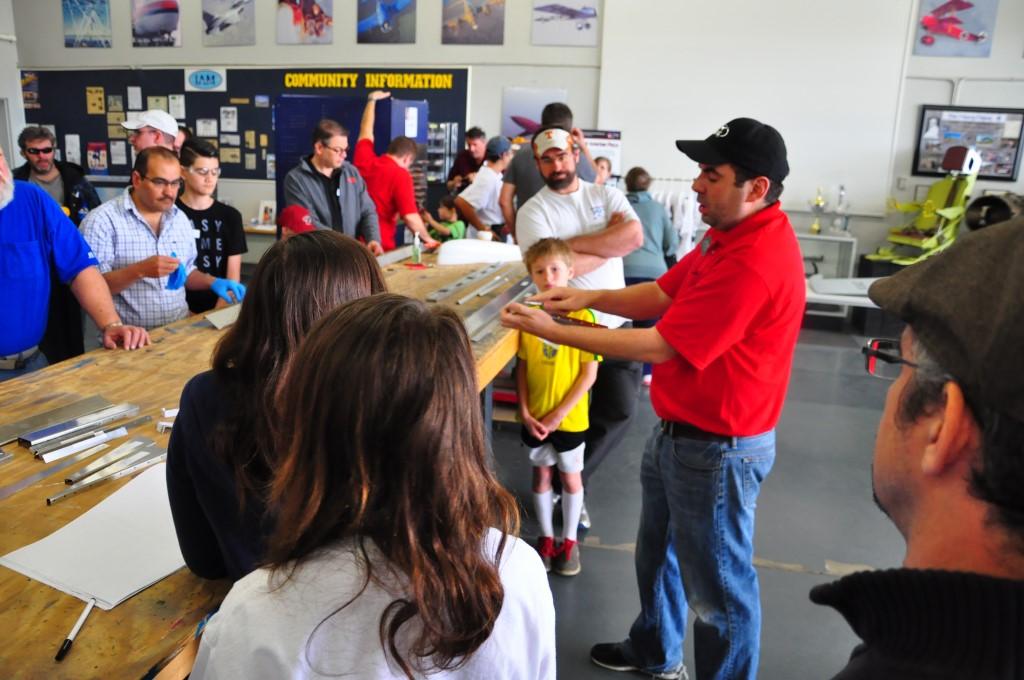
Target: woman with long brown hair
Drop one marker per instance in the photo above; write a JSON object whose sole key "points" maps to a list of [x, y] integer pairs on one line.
{"points": [[393, 553], [221, 450]]}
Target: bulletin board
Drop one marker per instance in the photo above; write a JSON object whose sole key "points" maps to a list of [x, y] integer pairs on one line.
{"points": [[89, 105]]}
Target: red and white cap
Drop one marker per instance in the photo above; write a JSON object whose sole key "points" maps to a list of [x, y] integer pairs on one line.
{"points": [[296, 218], [554, 138]]}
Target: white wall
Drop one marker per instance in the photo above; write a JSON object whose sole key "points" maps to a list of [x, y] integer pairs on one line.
{"points": [[10, 81], [517, 63]]}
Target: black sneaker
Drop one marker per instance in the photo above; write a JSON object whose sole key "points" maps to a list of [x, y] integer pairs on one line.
{"points": [[546, 550], [567, 560], [610, 655]]}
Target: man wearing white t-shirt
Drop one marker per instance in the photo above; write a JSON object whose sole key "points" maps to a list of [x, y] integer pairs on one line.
{"points": [[601, 227], [478, 203]]}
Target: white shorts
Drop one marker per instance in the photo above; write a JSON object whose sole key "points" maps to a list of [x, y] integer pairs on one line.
{"points": [[567, 461]]}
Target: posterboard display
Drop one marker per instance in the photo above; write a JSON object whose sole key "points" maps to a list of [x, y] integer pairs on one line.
{"points": [[996, 134], [234, 112]]}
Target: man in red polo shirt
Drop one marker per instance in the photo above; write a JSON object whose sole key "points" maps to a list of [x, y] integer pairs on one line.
{"points": [[730, 315], [388, 180]]}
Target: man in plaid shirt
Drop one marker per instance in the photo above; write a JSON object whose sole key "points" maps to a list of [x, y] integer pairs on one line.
{"points": [[146, 247]]}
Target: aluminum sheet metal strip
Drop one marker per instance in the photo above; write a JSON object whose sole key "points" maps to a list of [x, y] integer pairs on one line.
{"points": [[489, 312], [396, 255], [11, 431], [11, 489], [122, 451], [472, 277], [66, 432], [154, 457]]}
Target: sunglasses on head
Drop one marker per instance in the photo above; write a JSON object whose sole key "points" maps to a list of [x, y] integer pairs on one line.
{"points": [[35, 152]]}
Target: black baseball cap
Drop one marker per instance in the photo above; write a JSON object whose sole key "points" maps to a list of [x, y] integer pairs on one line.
{"points": [[745, 142], [964, 305]]}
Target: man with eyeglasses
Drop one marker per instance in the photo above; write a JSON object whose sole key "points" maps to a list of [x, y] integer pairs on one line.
{"points": [[146, 246], [220, 237], [66, 184], [722, 353], [36, 237], [151, 128], [332, 190], [948, 470]]}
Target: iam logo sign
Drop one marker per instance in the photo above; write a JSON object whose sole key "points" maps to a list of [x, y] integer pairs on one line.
{"points": [[205, 80]]}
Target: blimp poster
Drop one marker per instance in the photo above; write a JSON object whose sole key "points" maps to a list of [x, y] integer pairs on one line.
{"points": [[156, 23]]}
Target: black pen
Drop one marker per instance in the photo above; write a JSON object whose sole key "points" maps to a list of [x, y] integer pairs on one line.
{"points": [[66, 645]]}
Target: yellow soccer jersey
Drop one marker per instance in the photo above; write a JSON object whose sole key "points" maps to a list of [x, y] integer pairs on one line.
{"points": [[551, 371]]}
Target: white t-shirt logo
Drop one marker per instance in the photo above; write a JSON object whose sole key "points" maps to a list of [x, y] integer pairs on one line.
{"points": [[722, 131], [597, 211]]}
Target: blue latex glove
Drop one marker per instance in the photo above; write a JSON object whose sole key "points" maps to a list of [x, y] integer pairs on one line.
{"points": [[225, 288], [177, 278]]}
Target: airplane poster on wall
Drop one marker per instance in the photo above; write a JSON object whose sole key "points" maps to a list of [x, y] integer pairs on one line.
{"points": [[156, 23], [386, 21], [955, 28], [304, 22], [229, 22], [87, 23], [573, 24], [473, 22]]}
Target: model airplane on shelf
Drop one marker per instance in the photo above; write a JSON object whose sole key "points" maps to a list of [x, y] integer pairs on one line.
{"points": [[556, 12], [218, 22], [383, 17], [943, 21]]}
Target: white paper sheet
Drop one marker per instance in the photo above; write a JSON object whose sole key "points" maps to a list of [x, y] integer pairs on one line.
{"points": [[135, 98], [73, 149], [120, 547]]}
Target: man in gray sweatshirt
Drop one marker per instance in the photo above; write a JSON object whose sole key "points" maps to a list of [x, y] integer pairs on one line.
{"points": [[332, 190]]}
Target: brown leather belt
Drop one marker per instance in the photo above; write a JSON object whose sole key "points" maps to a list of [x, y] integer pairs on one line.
{"points": [[688, 431]]}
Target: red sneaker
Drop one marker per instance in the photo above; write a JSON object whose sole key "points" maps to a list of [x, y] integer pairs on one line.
{"points": [[547, 551], [567, 561]]}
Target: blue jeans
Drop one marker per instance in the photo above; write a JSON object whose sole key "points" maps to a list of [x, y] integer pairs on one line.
{"points": [[695, 547], [33, 364]]}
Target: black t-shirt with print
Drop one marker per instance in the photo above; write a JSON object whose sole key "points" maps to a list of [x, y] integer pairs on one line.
{"points": [[220, 236]]}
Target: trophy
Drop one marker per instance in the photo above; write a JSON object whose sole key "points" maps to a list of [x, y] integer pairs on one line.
{"points": [[818, 207]]}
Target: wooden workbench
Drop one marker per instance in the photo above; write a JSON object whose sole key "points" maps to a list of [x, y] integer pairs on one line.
{"points": [[128, 640]]}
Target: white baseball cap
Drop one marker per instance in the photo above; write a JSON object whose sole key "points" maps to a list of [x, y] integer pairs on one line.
{"points": [[154, 118], [554, 138]]}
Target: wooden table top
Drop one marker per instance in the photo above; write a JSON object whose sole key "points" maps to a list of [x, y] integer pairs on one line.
{"points": [[134, 636]]}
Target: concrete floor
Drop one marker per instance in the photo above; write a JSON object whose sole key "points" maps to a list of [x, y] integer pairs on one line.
{"points": [[814, 507]]}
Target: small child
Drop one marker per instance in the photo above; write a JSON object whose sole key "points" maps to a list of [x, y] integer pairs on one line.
{"points": [[450, 226], [553, 382]]}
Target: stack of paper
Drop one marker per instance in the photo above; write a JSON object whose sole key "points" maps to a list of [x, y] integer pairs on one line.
{"points": [[123, 545]]}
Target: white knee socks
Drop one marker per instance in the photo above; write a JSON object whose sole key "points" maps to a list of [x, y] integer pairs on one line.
{"points": [[544, 506], [572, 506]]}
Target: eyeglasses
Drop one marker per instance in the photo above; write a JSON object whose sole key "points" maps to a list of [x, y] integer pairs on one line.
{"points": [[203, 172], [883, 358], [39, 152], [161, 183], [337, 149]]}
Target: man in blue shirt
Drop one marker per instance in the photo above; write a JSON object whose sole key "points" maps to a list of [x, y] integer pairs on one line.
{"points": [[35, 233]]}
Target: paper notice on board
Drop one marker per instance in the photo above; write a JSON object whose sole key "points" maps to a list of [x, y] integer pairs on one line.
{"points": [[231, 140], [117, 132], [134, 98], [115, 102], [230, 155], [176, 106], [206, 127], [156, 102], [228, 119], [412, 117], [263, 139], [94, 100], [250, 161], [118, 153], [96, 153], [250, 139], [73, 149], [271, 166]]}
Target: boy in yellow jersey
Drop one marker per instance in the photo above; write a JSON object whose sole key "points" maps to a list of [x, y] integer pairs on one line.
{"points": [[552, 383]]}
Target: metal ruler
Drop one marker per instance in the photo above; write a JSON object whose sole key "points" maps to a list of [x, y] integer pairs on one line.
{"points": [[472, 277], [482, 317], [11, 489], [11, 431], [97, 437]]}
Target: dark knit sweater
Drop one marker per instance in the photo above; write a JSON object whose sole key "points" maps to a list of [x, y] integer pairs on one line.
{"points": [[926, 624]]}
